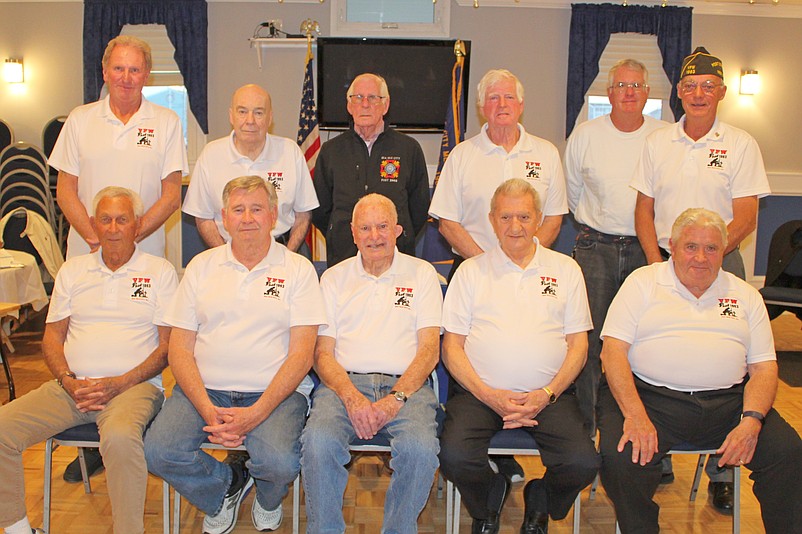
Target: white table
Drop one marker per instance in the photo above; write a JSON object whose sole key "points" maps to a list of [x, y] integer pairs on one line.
{"points": [[23, 284]]}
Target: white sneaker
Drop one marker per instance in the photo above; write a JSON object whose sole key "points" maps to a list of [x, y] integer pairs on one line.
{"points": [[265, 520], [225, 521]]}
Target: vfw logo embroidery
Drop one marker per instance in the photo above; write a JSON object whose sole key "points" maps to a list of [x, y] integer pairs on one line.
{"points": [[729, 308], [140, 288], [403, 297], [533, 169], [716, 159], [549, 286], [390, 168], [274, 287], [275, 178], [145, 137]]}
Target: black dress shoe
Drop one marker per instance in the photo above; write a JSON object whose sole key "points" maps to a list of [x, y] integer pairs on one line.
{"points": [[486, 526], [721, 494], [536, 515], [94, 465]]}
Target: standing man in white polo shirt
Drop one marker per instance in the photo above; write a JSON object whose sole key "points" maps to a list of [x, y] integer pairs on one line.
{"points": [[245, 319], [599, 160], [251, 150], [516, 321], [689, 358], [502, 150], [374, 359], [121, 140], [106, 344], [699, 162]]}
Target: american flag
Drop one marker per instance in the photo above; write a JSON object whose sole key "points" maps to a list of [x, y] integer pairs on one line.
{"points": [[309, 139]]}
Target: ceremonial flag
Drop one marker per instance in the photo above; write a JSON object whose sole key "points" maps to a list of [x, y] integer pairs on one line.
{"points": [[435, 246], [309, 139]]}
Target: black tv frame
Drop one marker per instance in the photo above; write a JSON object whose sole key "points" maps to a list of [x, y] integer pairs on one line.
{"points": [[386, 61]]}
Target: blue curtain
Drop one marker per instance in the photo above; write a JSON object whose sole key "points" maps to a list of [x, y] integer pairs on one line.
{"points": [[186, 22], [591, 27]]}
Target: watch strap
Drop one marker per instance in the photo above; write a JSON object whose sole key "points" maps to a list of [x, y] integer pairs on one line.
{"points": [[60, 379], [752, 413]]}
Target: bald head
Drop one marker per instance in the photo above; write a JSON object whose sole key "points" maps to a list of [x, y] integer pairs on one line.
{"points": [[250, 114]]}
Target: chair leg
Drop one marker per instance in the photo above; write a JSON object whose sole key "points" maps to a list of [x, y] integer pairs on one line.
{"points": [[84, 471], [296, 504], [166, 507], [4, 356], [736, 500], [449, 507], [176, 512], [457, 506], [697, 478], [47, 496], [594, 487], [577, 511]]}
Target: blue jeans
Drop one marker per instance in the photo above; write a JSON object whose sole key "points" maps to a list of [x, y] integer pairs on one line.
{"points": [[325, 440], [606, 262], [172, 449]]}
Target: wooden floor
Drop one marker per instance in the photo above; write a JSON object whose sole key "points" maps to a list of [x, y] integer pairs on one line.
{"points": [[76, 512]]}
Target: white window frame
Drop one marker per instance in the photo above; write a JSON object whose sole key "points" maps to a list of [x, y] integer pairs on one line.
{"points": [[439, 28]]}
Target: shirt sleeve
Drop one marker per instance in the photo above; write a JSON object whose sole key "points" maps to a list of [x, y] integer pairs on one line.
{"points": [[577, 310], [168, 283], [749, 178], [305, 196], [761, 339], [642, 177], [328, 288], [447, 198], [626, 309], [457, 311], [65, 155], [181, 310], [573, 171], [555, 202], [430, 307], [307, 307], [198, 201], [175, 152]]}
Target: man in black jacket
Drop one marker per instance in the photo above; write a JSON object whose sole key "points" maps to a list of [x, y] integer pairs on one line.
{"points": [[369, 158]]}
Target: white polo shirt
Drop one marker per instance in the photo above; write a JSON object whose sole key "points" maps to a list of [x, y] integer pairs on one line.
{"points": [[477, 166], [680, 173], [281, 163], [375, 320], [113, 314], [599, 162], [516, 319], [685, 343], [243, 318], [100, 150]]}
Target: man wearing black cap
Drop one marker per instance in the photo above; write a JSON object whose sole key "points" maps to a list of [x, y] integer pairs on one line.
{"points": [[700, 162]]}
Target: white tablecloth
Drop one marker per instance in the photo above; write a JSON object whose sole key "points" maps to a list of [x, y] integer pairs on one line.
{"points": [[23, 285]]}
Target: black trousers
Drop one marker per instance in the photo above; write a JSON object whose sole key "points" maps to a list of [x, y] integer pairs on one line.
{"points": [[567, 452], [702, 419]]}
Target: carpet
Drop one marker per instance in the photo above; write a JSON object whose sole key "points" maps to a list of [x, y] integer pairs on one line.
{"points": [[790, 367]]}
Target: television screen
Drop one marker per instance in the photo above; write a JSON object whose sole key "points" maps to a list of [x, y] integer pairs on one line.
{"points": [[418, 74]]}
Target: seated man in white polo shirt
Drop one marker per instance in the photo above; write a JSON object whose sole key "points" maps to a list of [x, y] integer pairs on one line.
{"points": [[689, 358], [374, 358], [245, 320], [106, 343], [516, 320]]}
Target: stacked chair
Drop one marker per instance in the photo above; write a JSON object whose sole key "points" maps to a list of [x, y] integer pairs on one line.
{"points": [[6, 135]]}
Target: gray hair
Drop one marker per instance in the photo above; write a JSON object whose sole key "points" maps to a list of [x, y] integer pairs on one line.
{"points": [[114, 191], [515, 187], [128, 40], [250, 184], [491, 78], [379, 200], [628, 63], [383, 91], [699, 217]]}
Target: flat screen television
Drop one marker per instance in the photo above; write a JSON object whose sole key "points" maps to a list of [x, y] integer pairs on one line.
{"points": [[418, 74]]}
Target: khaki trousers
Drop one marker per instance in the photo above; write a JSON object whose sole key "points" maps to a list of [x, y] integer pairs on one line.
{"points": [[49, 410]]}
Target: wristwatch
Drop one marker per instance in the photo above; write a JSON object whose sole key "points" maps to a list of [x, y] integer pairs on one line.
{"points": [[400, 396], [60, 379], [550, 393], [751, 413]]}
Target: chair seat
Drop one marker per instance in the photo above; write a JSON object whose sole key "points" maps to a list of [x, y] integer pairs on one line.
{"points": [[87, 432], [787, 296]]}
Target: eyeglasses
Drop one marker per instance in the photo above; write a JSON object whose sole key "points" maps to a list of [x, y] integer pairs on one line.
{"points": [[622, 87], [690, 87], [373, 100]]}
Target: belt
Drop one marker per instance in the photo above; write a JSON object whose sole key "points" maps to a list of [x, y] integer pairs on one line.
{"points": [[588, 232], [374, 374]]}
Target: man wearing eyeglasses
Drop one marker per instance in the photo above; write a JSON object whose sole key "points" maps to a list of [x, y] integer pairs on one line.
{"points": [[599, 160], [700, 162], [369, 158]]}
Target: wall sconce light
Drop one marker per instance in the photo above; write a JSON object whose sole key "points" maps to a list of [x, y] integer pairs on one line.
{"points": [[750, 82], [12, 71]]}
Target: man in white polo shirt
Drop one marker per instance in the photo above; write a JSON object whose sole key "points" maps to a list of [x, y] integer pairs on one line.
{"points": [[502, 150], [374, 359], [516, 321], [244, 319], [121, 140], [250, 149], [689, 359], [106, 343]]}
